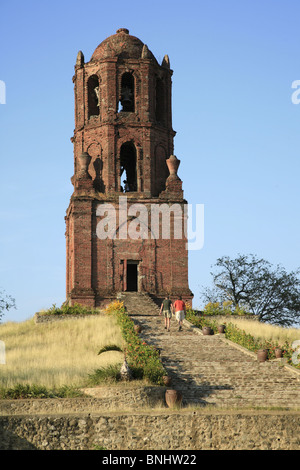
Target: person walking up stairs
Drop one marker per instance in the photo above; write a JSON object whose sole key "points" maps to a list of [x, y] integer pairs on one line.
{"points": [[180, 311]]}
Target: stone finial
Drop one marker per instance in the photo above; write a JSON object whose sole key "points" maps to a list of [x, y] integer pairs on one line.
{"points": [[80, 59], [145, 52], [173, 165], [84, 160], [123, 30], [83, 180], [173, 182], [166, 61]]}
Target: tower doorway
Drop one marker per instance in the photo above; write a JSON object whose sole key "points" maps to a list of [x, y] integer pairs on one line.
{"points": [[132, 276]]}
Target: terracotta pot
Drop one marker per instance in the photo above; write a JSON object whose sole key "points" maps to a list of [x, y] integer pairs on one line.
{"points": [[137, 328], [262, 355], [166, 380], [278, 353], [207, 330], [221, 328], [173, 398]]}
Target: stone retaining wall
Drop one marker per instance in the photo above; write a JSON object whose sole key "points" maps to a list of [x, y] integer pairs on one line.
{"points": [[46, 318], [212, 372], [169, 431], [97, 399]]}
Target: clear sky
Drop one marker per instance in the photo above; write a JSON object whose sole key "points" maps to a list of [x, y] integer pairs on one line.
{"points": [[238, 132]]}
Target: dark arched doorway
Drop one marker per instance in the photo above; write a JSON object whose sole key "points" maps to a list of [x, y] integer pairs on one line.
{"points": [[128, 174]]}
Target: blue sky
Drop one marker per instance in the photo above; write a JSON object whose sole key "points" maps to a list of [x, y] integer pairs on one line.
{"points": [[238, 132]]}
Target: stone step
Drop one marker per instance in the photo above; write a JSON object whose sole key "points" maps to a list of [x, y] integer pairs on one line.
{"points": [[209, 370]]}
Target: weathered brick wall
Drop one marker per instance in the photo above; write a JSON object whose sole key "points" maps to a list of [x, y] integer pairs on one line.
{"points": [[97, 264], [94, 270], [102, 135]]}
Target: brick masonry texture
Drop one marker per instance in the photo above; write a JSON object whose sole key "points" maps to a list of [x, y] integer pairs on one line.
{"points": [[138, 138]]}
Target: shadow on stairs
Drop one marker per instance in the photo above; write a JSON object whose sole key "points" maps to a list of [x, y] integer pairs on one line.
{"points": [[140, 303]]}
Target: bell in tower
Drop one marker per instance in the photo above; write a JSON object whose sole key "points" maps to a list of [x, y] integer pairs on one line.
{"points": [[127, 93], [126, 187]]}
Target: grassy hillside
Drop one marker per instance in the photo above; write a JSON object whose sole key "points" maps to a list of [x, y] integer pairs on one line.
{"points": [[57, 353], [267, 332], [65, 353]]}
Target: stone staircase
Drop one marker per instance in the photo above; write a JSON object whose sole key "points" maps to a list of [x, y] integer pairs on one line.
{"points": [[139, 304], [210, 370]]}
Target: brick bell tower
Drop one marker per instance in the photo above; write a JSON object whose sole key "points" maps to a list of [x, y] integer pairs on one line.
{"points": [[126, 186]]}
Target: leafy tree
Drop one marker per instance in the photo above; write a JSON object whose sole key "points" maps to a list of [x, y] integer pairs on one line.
{"points": [[6, 302], [254, 284]]}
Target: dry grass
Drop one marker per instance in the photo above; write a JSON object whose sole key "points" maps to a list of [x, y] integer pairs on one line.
{"points": [[57, 353], [266, 331]]}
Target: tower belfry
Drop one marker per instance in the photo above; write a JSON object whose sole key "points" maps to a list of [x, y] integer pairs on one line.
{"points": [[125, 224]]}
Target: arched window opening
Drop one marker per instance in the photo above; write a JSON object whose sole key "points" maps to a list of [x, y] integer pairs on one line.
{"points": [[160, 101], [128, 167], [93, 96], [127, 92]]}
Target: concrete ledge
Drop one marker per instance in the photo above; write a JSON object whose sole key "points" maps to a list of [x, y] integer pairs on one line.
{"points": [[192, 327]]}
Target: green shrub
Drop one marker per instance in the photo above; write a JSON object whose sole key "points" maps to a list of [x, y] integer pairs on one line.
{"points": [[65, 309], [239, 336], [143, 359], [225, 308], [200, 321], [38, 391], [109, 373]]}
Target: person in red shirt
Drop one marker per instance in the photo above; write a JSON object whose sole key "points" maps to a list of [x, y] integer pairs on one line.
{"points": [[180, 311]]}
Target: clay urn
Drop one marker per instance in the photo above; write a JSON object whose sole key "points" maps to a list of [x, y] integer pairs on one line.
{"points": [[278, 353], [207, 330], [166, 380], [173, 398], [137, 328], [221, 328], [262, 355]]}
